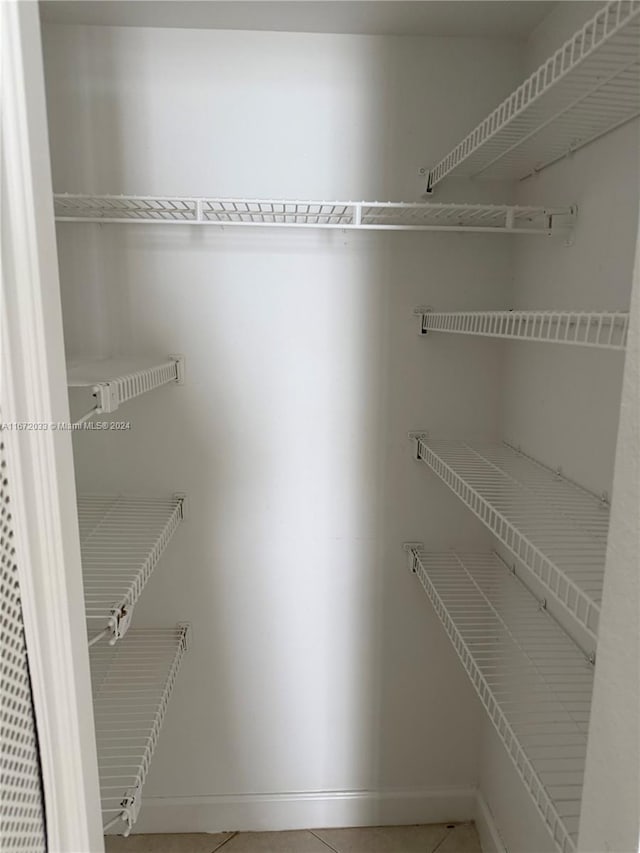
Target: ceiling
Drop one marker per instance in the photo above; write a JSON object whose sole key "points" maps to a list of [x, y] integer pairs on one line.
{"points": [[499, 18]]}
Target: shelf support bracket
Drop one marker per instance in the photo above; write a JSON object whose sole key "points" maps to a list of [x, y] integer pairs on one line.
{"points": [[412, 549], [187, 635], [179, 360], [131, 805], [107, 397], [429, 187], [421, 311], [417, 436], [181, 497], [120, 621]]}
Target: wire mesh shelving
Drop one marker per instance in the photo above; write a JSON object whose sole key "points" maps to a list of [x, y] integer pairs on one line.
{"points": [[601, 329], [533, 681], [402, 216], [115, 381], [555, 528], [590, 86], [121, 541], [132, 684]]}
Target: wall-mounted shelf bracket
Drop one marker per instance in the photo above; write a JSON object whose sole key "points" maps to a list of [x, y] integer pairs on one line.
{"points": [[413, 549], [181, 497], [107, 397], [429, 188], [418, 437], [120, 621], [421, 311], [187, 635], [131, 805], [179, 360]]}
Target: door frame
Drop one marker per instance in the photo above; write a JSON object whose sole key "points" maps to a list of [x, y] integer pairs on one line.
{"points": [[33, 391]]}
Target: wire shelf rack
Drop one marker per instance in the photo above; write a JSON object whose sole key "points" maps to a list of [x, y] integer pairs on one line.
{"points": [[402, 216], [132, 684], [534, 683], [590, 86], [121, 541], [114, 381], [555, 528], [602, 329]]}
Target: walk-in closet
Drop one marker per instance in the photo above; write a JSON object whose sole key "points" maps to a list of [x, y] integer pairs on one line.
{"points": [[325, 311]]}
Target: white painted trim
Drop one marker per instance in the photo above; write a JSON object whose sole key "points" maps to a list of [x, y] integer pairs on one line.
{"points": [[490, 839], [40, 462], [610, 814], [305, 809]]}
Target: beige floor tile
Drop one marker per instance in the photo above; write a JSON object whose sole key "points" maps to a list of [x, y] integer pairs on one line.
{"points": [[462, 839], [187, 843], [385, 839], [274, 842]]}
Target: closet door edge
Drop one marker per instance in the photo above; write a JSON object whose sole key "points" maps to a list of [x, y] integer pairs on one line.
{"points": [[40, 458]]}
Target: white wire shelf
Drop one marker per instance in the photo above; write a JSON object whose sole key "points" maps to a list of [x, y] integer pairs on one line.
{"points": [[114, 381], [534, 683], [602, 329], [590, 86], [121, 541], [132, 684], [402, 216], [555, 528]]}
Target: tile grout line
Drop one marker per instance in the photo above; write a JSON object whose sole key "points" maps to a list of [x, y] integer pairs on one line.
{"points": [[226, 841], [322, 841], [443, 839]]}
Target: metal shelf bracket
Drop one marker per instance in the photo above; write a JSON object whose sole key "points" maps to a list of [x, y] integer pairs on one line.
{"points": [[418, 437], [107, 397], [412, 549], [181, 497], [120, 621], [179, 360], [187, 635], [131, 805], [420, 312]]}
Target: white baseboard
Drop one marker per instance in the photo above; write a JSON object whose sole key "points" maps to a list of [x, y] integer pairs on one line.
{"points": [[305, 810], [490, 839]]}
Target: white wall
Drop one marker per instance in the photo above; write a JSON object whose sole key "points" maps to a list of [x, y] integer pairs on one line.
{"points": [[317, 664], [562, 404], [610, 818]]}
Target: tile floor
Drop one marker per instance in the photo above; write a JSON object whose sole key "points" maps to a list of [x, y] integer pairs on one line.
{"points": [[440, 837]]}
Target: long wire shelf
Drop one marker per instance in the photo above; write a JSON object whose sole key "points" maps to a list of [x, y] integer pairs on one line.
{"points": [[402, 216], [115, 381], [555, 528], [121, 541], [533, 681], [590, 86], [601, 329], [132, 684]]}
